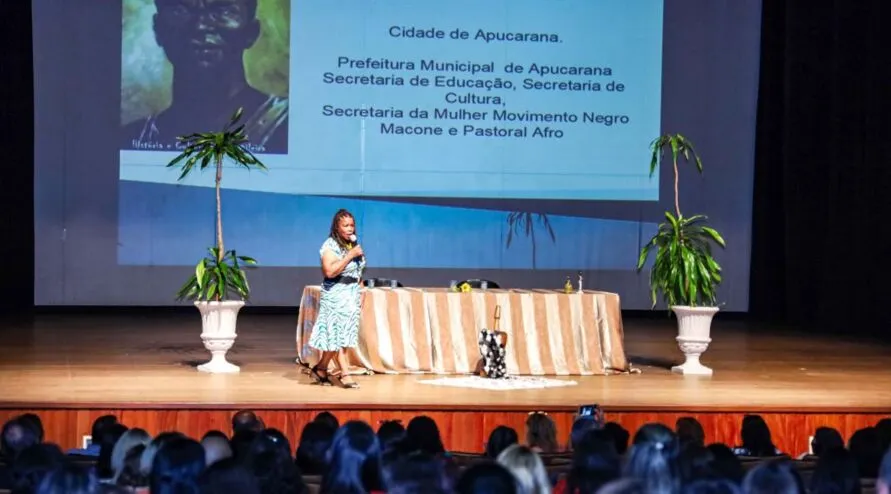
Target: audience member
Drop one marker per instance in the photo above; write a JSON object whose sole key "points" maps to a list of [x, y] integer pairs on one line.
{"points": [[354, 461], [527, 468], [501, 438], [314, 443], [836, 473], [487, 478], [756, 440], [689, 431], [541, 433]]}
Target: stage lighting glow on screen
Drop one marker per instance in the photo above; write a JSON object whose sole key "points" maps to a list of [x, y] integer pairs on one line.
{"points": [[505, 99]]}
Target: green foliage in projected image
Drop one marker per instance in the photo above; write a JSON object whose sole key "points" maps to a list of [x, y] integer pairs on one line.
{"points": [[222, 272], [683, 271]]}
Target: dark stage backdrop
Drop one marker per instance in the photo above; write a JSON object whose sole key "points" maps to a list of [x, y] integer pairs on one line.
{"points": [[114, 227], [823, 168]]}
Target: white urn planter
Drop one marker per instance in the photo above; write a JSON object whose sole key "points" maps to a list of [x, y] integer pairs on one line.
{"points": [[218, 333], [694, 335]]}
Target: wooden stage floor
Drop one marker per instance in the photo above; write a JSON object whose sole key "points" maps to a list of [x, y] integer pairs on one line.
{"points": [[146, 362]]}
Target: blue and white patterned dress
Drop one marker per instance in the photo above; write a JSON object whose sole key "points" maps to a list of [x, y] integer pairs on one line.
{"points": [[337, 323]]}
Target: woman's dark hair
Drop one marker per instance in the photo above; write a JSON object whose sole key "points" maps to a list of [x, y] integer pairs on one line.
{"points": [[354, 461], [756, 437], [775, 477], [328, 419], [712, 486], [315, 439], [390, 433], [485, 478], [620, 436], [500, 439], [689, 430], [228, 476], [836, 473], [725, 464], [335, 225], [825, 439], [422, 434], [417, 473], [106, 442], [130, 475], [866, 448], [176, 467], [69, 478], [33, 420], [696, 463], [654, 459], [270, 462], [33, 464], [595, 462]]}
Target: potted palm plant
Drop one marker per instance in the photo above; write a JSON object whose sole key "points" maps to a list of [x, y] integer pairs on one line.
{"points": [[219, 285], [683, 270]]}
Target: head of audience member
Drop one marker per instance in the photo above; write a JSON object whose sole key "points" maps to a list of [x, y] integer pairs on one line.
{"points": [[712, 486], [500, 439], [417, 473], [527, 468], [695, 463], [689, 431], [269, 460], [101, 423], [33, 420], [883, 480], [315, 439], [422, 434], [595, 462], [33, 464], [244, 420], [131, 475], [653, 459], [228, 476], [836, 473], [883, 429], [129, 440], [328, 419], [216, 448], [176, 467], [354, 460], [725, 464], [106, 441], [866, 449], [773, 477], [580, 428], [390, 433], [826, 439], [541, 433], [487, 478], [148, 454], [16, 437], [69, 478], [620, 435], [215, 433], [756, 438], [241, 443]]}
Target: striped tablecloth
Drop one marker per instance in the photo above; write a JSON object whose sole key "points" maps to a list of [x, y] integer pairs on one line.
{"points": [[410, 330]]}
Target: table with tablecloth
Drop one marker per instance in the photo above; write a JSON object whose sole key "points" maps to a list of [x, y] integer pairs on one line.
{"points": [[435, 330]]}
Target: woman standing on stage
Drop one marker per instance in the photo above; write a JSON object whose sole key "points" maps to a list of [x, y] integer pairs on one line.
{"points": [[337, 325]]}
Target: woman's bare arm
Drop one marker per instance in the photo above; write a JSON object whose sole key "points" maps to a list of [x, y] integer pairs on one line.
{"points": [[332, 266]]}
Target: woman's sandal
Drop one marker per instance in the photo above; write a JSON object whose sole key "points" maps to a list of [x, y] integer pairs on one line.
{"points": [[336, 378], [318, 378]]}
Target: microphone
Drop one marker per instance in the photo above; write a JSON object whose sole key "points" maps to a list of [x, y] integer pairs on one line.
{"points": [[353, 239]]}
